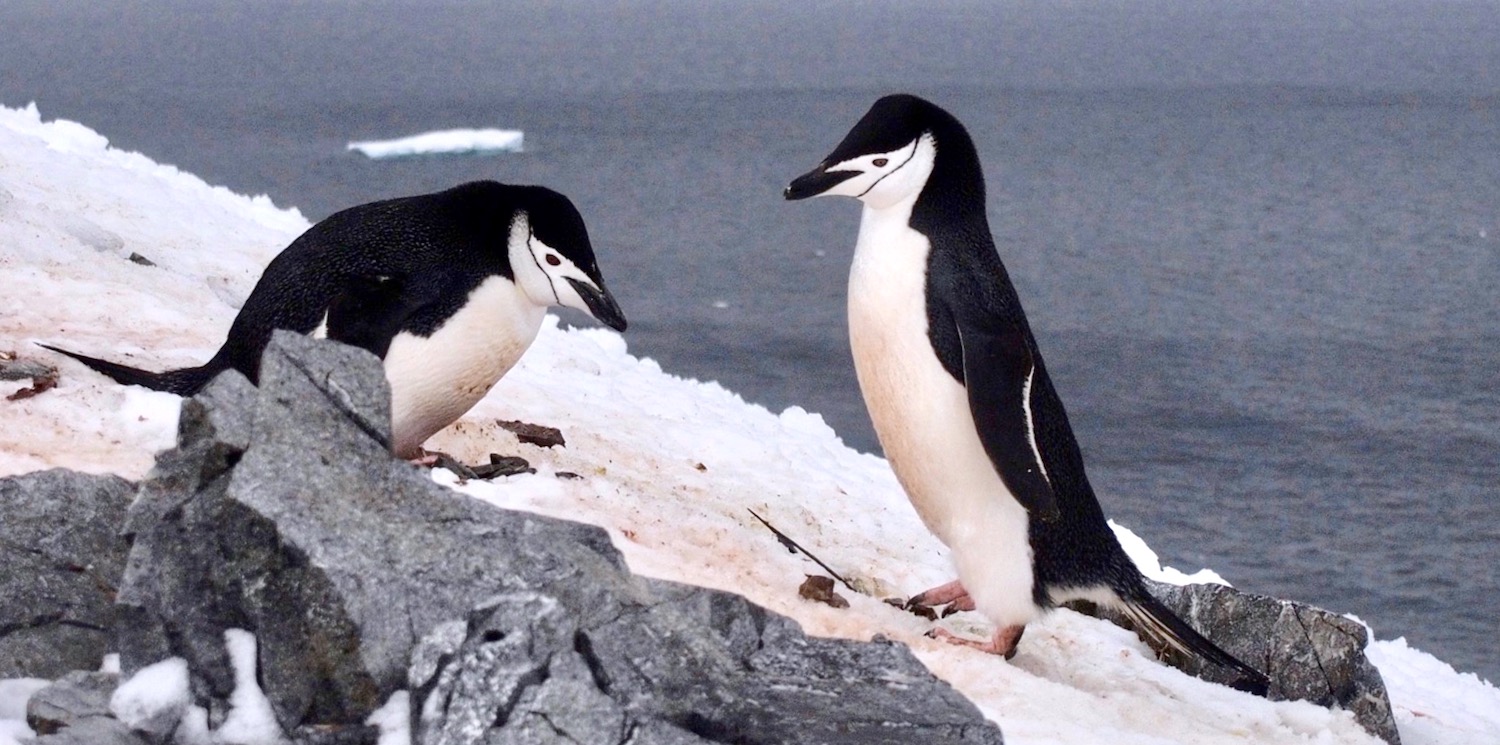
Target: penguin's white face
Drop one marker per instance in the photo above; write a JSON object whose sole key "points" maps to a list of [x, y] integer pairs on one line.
{"points": [[542, 271], [887, 178], [548, 277]]}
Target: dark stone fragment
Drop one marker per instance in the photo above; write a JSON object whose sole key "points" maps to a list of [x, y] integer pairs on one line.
{"points": [[139, 259], [916, 609], [62, 556], [448, 462], [503, 465], [535, 434], [820, 589]]}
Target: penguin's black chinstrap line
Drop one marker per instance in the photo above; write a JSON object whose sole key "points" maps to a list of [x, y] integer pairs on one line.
{"points": [[529, 235], [893, 170], [794, 547]]}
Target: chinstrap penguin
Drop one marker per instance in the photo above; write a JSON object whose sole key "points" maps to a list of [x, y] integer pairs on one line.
{"points": [[449, 289], [958, 393]]}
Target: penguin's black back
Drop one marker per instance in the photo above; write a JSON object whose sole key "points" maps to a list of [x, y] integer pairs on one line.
{"points": [[1076, 548], [964, 271], [436, 247]]}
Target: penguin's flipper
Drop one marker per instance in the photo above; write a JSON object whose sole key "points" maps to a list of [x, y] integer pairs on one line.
{"points": [[1159, 621], [368, 311], [998, 370], [183, 382]]}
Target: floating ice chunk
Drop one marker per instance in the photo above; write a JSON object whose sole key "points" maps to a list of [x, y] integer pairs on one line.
{"points": [[445, 142]]}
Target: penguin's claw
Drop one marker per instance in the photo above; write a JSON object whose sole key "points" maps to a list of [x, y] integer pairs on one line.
{"points": [[437, 459], [953, 593], [426, 460], [1004, 641]]}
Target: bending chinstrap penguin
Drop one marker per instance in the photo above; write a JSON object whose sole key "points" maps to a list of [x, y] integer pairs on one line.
{"points": [[958, 393], [449, 289]]}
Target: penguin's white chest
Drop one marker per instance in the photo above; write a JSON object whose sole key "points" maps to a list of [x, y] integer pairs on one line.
{"points": [[921, 414], [435, 379]]}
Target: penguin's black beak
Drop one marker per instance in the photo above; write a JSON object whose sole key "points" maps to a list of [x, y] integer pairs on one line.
{"points": [[815, 182], [601, 304]]}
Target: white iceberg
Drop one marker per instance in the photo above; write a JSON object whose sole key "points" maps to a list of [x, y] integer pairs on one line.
{"points": [[444, 142]]}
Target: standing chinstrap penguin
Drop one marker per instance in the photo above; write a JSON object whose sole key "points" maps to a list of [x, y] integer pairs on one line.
{"points": [[957, 391], [448, 289]]}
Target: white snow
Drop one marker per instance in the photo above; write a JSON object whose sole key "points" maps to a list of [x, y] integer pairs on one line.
{"points": [[393, 719], [250, 720], [670, 467], [444, 142], [155, 698]]}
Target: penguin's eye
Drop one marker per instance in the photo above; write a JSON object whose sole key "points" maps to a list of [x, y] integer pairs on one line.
{"points": [[880, 162], [553, 260]]}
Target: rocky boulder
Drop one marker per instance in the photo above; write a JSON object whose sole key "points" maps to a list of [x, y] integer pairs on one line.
{"points": [[1309, 654], [282, 513], [63, 558]]}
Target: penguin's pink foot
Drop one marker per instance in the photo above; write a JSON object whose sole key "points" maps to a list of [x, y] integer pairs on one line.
{"points": [[953, 593], [1003, 642]]}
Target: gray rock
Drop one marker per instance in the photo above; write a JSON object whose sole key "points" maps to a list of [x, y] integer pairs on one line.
{"points": [[14, 368], [92, 731], [687, 665], [1308, 653], [341, 558], [77, 696], [63, 558]]}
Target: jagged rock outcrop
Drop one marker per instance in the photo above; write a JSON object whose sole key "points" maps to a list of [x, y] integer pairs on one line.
{"points": [[62, 560], [282, 513], [1308, 653]]}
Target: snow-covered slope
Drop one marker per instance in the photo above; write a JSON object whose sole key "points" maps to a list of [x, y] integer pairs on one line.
{"points": [[671, 467]]}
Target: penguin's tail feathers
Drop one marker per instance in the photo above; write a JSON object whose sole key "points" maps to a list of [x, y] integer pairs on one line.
{"points": [[1156, 619], [183, 382]]}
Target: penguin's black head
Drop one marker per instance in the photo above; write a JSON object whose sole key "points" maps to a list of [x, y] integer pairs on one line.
{"points": [[552, 258], [889, 154]]}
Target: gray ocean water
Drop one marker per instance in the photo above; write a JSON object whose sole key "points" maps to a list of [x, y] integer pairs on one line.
{"points": [[1259, 242]]}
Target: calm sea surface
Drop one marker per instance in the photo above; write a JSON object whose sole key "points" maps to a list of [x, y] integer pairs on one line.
{"points": [[1259, 242]]}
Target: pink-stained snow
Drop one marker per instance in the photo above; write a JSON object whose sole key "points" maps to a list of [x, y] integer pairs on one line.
{"points": [[670, 467]]}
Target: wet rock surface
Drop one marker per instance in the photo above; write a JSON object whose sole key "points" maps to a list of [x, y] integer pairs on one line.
{"points": [[62, 559]]}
